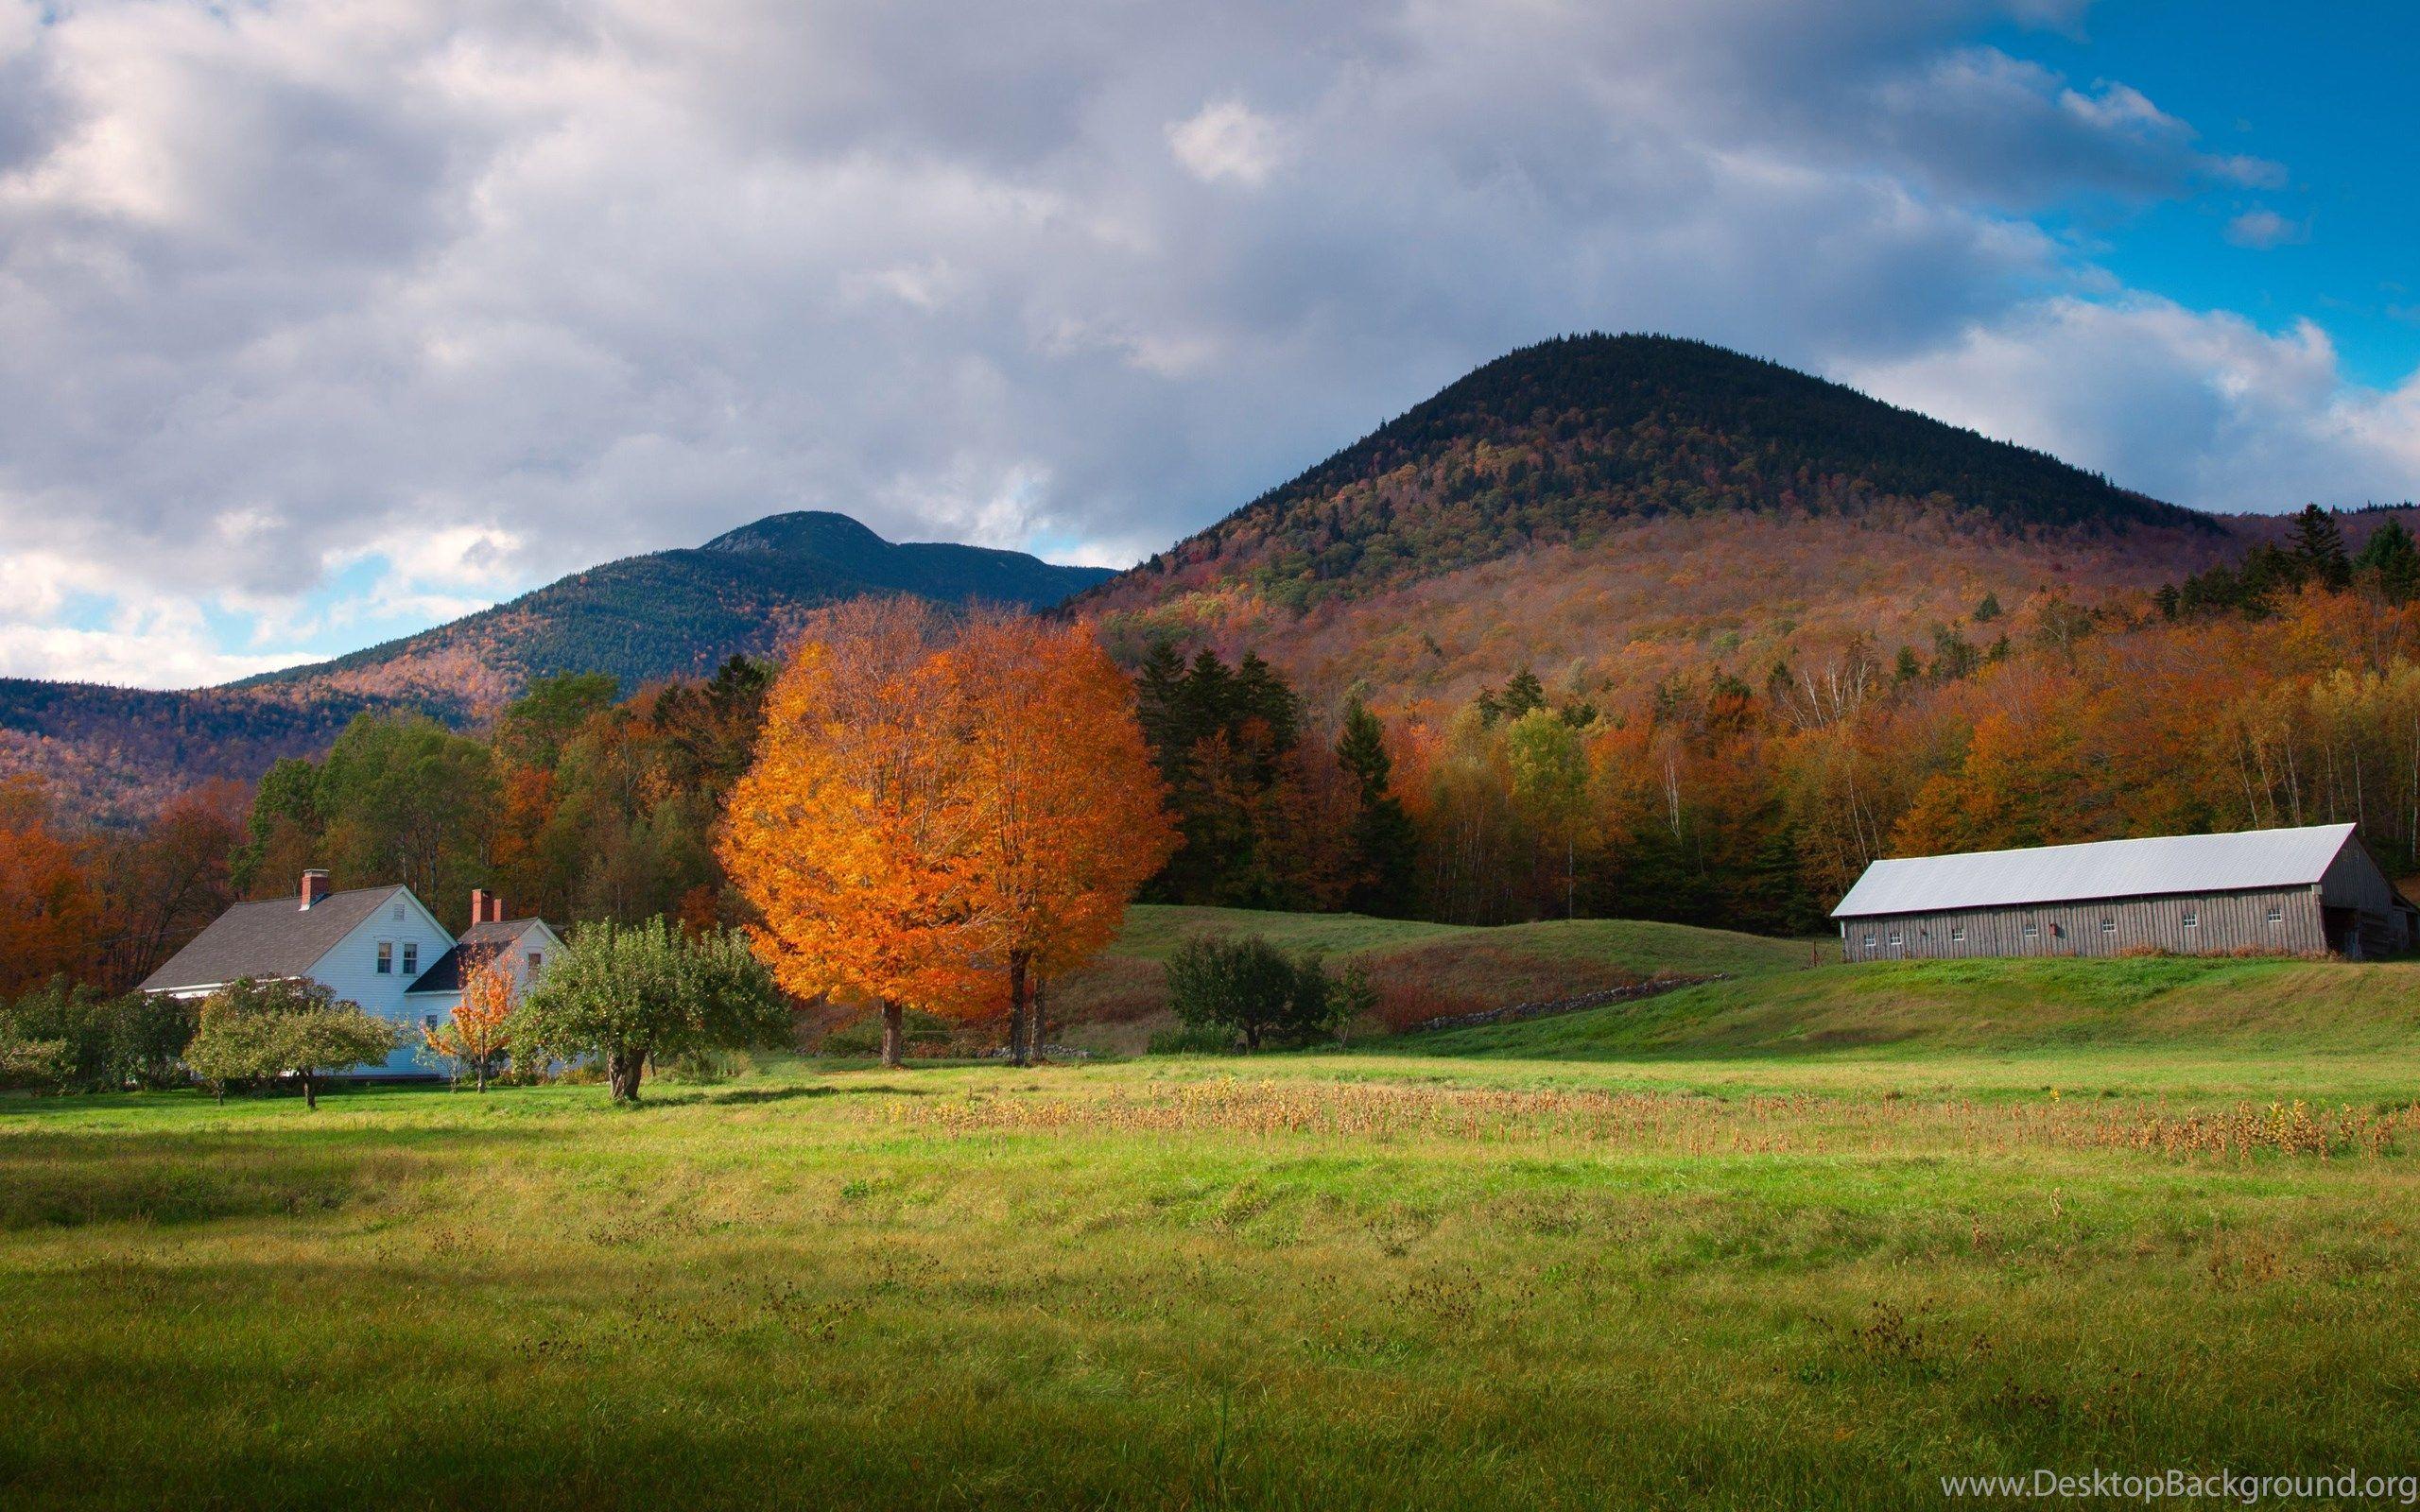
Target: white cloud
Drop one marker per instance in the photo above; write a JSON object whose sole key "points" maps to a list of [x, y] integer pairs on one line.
{"points": [[2264, 228], [1228, 140], [493, 289], [2202, 407]]}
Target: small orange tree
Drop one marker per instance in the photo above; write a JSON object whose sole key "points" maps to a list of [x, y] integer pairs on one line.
{"points": [[849, 835], [475, 1034], [1065, 802]]}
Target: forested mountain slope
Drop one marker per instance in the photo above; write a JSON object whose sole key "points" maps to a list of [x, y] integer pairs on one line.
{"points": [[1608, 508], [114, 752]]}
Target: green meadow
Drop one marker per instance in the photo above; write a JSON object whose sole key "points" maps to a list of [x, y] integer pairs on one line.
{"points": [[1808, 1238]]}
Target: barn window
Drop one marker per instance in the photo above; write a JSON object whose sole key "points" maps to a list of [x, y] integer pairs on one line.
{"points": [[2192, 920], [2032, 930], [411, 957], [1869, 944], [1956, 932], [2276, 914], [2109, 926], [1895, 939]]}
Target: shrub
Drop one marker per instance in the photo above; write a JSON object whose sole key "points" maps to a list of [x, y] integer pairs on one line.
{"points": [[1247, 985], [65, 1038]]}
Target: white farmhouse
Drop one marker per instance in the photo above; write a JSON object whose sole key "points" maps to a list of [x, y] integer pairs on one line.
{"points": [[379, 947]]}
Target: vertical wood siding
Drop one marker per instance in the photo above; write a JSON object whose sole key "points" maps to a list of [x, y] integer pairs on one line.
{"points": [[2220, 921]]}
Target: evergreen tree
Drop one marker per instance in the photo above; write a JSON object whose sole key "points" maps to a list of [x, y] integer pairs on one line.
{"points": [[1159, 692], [1989, 609], [2319, 548], [2391, 556], [1384, 841], [1523, 694]]}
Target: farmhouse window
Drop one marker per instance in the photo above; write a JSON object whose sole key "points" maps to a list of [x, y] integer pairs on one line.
{"points": [[398, 913], [411, 957], [534, 958], [385, 957], [428, 1021]]}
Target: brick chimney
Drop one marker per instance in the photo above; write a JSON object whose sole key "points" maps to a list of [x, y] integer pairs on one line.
{"points": [[315, 886], [478, 906], [495, 908]]}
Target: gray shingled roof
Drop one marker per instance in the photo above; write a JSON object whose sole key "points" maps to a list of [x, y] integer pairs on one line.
{"points": [[2102, 869], [278, 937], [480, 942]]}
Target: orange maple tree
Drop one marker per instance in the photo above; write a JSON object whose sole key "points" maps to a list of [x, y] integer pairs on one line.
{"points": [[850, 834], [1063, 795], [476, 1034], [49, 911]]}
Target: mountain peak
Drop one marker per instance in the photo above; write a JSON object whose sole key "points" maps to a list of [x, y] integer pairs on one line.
{"points": [[1575, 436], [820, 531]]}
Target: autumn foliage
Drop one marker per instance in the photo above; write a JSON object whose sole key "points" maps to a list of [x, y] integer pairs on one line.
{"points": [[478, 1033], [939, 813]]}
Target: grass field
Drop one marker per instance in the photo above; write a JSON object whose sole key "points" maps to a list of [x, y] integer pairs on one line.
{"points": [[1810, 1240], [1420, 969]]}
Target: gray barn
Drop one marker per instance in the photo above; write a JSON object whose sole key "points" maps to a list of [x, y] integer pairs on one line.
{"points": [[2301, 891]]}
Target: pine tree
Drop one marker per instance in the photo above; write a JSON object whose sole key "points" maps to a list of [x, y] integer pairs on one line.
{"points": [[2319, 546], [1383, 837], [2391, 555], [1523, 694]]}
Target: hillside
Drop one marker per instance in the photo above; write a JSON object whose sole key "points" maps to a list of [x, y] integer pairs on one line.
{"points": [[1609, 509], [1422, 970], [111, 753], [2222, 1027]]}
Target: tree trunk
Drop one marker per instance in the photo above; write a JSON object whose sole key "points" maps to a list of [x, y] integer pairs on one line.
{"points": [[310, 1092], [1022, 1045], [479, 1075], [1037, 1015], [622, 1067], [894, 1032]]}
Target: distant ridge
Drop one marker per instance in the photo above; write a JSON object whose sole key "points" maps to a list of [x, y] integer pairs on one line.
{"points": [[681, 611], [115, 753]]}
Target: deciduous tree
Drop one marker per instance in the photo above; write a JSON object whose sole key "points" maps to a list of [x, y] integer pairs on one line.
{"points": [[478, 1031], [1065, 799], [852, 835], [632, 993], [261, 1030]]}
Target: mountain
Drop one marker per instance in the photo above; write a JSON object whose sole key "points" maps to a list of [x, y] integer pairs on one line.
{"points": [[1610, 511], [113, 752]]}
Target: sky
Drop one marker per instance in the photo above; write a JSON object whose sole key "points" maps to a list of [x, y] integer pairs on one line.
{"points": [[321, 323]]}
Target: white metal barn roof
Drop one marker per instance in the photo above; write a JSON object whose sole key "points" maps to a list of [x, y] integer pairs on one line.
{"points": [[2102, 869]]}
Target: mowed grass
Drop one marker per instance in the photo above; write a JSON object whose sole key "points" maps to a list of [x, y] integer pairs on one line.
{"points": [[1631, 1262], [1118, 1001]]}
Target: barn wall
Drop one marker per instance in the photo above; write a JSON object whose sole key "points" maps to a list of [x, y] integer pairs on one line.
{"points": [[2222, 922], [2353, 881]]}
